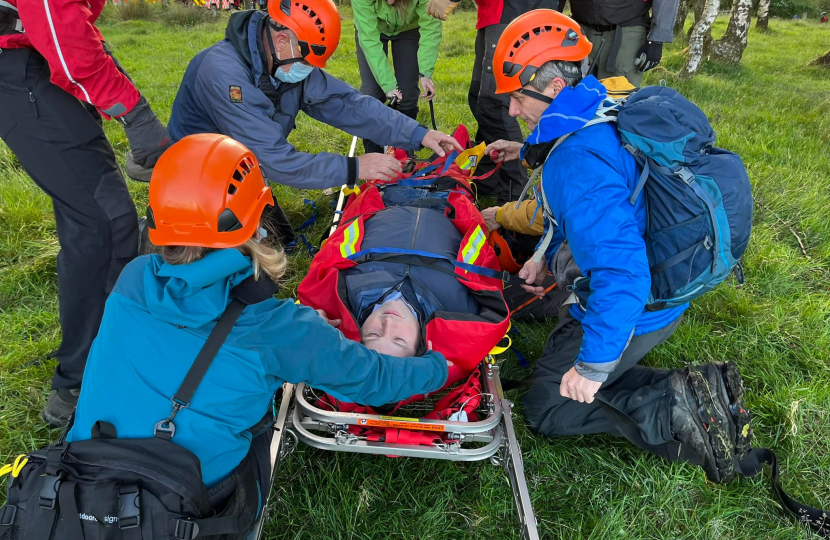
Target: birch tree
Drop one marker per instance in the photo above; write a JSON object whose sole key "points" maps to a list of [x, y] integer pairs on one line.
{"points": [[697, 41], [730, 48], [680, 22], [763, 15]]}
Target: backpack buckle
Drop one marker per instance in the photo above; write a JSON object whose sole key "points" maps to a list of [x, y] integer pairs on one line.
{"points": [[7, 514], [129, 509], [49, 491], [165, 429], [185, 530]]}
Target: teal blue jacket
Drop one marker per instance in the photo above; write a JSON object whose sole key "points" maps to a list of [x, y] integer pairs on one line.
{"points": [[157, 319]]}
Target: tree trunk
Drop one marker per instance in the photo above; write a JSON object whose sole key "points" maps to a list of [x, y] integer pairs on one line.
{"points": [[680, 22], [823, 60], [730, 48], [697, 6], [763, 15], [697, 42]]}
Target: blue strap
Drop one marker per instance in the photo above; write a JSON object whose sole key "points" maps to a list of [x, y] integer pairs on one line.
{"points": [[538, 197], [310, 221], [409, 182], [449, 160], [475, 269], [641, 183], [426, 170]]}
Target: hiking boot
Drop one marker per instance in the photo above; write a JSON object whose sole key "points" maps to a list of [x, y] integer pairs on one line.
{"points": [[60, 406], [699, 420], [741, 417]]}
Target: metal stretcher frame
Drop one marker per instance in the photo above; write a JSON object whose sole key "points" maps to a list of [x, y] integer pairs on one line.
{"points": [[494, 436]]}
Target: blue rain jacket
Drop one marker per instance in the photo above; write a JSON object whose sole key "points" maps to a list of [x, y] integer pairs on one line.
{"points": [[587, 182], [223, 91], [157, 319]]}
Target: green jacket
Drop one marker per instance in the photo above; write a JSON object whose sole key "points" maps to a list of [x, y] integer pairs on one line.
{"points": [[375, 17]]}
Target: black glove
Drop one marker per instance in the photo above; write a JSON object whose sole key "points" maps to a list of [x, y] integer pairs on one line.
{"points": [[648, 57], [147, 135]]}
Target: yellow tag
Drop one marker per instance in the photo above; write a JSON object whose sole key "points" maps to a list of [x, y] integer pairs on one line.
{"points": [[745, 431], [469, 159], [398, 419], [348, 191]]}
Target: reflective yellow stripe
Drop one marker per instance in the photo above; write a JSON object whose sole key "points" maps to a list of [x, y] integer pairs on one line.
{"points": [[350, 238], [470, 252]]}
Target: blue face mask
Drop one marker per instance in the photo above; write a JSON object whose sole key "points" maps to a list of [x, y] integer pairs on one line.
{"points": [[296, 73]]}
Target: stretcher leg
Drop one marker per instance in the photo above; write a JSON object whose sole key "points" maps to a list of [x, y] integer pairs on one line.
{"points": [[283, 443], [510, 459]]}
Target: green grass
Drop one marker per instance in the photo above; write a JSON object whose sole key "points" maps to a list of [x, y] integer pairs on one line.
{"points": [[772, 110]]}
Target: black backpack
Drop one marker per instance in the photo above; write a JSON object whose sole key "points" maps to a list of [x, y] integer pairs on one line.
{"points": [[106, 488]]}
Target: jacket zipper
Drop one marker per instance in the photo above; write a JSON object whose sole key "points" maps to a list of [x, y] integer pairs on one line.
{"points": [[32, 101], [415, 232]]}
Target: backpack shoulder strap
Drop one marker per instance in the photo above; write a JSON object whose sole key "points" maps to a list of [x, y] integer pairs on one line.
{"points": [[248, 292]]}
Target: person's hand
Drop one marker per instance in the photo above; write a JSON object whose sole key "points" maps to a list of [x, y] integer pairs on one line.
{"points": [[489, 215], [377, 167], [577, 387], [332, 322], [441, 9], [502, 150], [394, 95], [428, 88], [648, 57], [440, 143], [146, 134], [534, 274]]}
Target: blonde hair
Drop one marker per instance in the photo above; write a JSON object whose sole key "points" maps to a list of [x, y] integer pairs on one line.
{"points": [[265, 258]]}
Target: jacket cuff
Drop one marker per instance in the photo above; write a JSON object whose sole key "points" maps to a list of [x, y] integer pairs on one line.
{"points": [[659, 35], [500, 215], [353, 170], [595, 372], [418, 135]]}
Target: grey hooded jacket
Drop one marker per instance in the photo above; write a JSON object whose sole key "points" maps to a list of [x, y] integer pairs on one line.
{"points": [[226, 90]]}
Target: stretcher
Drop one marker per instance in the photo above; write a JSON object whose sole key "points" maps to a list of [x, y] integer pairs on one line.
{"points": [[489, 436]]}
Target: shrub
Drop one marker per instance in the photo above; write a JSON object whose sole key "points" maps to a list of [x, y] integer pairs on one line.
{"points": [[136, 10], [176, 14]]}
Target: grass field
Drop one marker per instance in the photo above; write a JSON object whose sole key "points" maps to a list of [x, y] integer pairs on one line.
{"points": [[773, 110]]}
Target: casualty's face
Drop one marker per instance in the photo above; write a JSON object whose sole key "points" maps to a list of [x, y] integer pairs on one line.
{"points": [[392, 329], [527, 108]]}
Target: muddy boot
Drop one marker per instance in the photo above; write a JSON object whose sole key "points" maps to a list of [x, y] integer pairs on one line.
{"points": [[700, 420], [60, 406], [741, 417]]}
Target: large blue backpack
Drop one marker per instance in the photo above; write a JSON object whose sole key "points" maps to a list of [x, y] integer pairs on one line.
{"points": [[698, 196]]}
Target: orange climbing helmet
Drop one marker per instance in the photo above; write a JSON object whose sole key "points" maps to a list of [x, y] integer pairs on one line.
{"points": [[532, 39], [207, 190], [316, 23]]}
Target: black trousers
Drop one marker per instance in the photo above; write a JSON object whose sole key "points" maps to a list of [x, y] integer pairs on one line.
{"points": [[405, 61], [61, 145], [494, 122], [641, 392]]}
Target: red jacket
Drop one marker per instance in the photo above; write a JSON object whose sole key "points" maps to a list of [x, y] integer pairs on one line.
{"points": [[63, 32]]}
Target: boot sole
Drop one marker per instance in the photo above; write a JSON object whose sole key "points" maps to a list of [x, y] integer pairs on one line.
{"points": [[716, 422], [741, 416]]}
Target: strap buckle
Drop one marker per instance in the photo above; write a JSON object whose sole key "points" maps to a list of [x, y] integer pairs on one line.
{"points": [[186, 530], [49, 491], [129, 509], [165, 429], [7, 514]]}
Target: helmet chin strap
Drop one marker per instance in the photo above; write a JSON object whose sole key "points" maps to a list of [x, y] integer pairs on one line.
{"points": [[275, 61], [536, 95]]}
